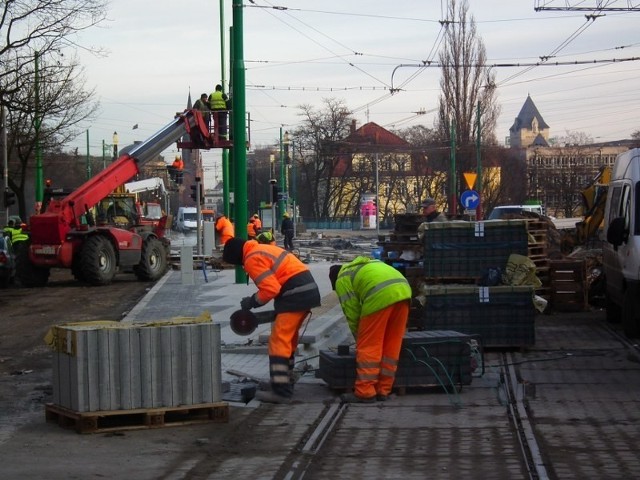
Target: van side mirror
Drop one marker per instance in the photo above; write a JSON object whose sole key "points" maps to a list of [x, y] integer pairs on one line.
{"points": [[616, 233]]}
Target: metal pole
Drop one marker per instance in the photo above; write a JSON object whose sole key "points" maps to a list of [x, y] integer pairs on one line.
{"points": [[198, 217], [38, 122], [226, 179], [453, 205], [88, 159], [239, 130], [281, 204], [5, 161], [479, 214], [377, 198], [293, 191]]}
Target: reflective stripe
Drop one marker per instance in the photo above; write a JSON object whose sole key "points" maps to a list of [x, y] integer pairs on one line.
{"points": [[301, 288], [280, 367], [346, 296], [367, 365], [382, 285], [388, 373], [367, 376], [389, 361], [277, 261], [279, 378]]}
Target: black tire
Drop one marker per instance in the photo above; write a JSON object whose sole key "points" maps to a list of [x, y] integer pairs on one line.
{"points": [[28, 274], [76, 269], [97, 261], [153, 260], [630, 314]]}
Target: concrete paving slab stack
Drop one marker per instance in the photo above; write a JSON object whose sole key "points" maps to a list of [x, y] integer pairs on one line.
{"points": [[114, 366]]}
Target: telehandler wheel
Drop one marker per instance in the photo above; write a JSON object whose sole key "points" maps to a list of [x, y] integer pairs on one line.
{"points": [[631, 314], [97, 261], [28, 274], [153, 260]]}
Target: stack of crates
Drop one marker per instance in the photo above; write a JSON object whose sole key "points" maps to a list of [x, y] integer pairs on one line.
{"points": [[464, 250], [503, 316], [456, 255]]}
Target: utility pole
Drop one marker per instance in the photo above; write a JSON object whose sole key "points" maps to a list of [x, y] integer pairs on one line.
{"points": [[281, 198], [5, 161], [453, 204], [239, 130], [479, 167], [38, 122]]}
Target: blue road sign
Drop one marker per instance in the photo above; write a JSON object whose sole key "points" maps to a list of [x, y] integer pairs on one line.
{"points": [[470, 199]]}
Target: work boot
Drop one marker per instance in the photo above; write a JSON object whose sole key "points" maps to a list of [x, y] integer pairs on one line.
{"points": [[272, 397], [353, 398], [383, 398]]}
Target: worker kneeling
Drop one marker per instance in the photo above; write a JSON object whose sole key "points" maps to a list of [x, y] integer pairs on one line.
{"points": [[283, 278], [375, 299]]}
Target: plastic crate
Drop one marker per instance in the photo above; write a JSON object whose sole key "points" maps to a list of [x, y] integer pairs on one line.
{"points": [[464, 250], [502, 316]]}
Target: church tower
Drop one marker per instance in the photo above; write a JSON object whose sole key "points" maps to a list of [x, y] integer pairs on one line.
{"points": [[529, 128]]}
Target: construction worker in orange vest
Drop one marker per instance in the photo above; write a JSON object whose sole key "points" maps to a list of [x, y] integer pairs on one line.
{"points": [[280, 276], [225, 229], [252, 230]]}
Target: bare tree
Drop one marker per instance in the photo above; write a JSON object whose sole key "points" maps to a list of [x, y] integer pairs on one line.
{"points": [[316, 156], [38, 33], [635, 135], [572, 138], [43, 26], [466, 82]]}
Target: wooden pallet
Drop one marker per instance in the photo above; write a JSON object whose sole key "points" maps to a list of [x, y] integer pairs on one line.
{"points": [[135, 419]]}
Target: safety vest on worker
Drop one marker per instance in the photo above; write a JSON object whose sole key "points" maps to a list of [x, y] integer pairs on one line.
{"points": [[251, 229], [217, 101], [280, 276], [365, 286], [225, 229], [17, 235]]}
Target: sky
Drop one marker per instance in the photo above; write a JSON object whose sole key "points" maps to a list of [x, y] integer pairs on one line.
{"points": [[301, 52]]}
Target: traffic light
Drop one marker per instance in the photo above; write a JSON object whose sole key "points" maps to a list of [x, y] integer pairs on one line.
{"points": [[274, 190], [201, 193], [194, 192], [9, 198]]}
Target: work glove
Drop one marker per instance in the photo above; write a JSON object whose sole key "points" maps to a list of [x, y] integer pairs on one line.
{"points": [[247, 303]]}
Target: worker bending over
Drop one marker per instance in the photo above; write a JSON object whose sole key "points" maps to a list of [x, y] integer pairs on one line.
{"points": [[280, 277], [375, 299]]}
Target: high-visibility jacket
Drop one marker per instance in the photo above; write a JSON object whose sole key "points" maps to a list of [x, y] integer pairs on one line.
{"points": [[280, 276], [17, 235], [225, 229], [218, 101], [365, 286]]}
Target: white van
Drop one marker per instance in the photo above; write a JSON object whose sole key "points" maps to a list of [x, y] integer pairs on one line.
{"points": [[504, 210], [621, 251], [187, 219]]}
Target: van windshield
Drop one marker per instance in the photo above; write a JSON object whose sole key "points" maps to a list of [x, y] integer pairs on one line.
{"points": [[190, 216]]}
